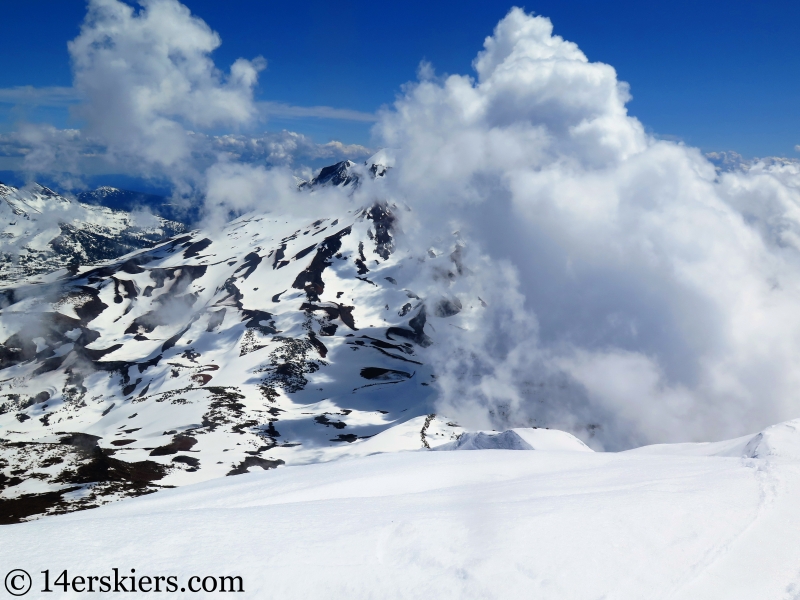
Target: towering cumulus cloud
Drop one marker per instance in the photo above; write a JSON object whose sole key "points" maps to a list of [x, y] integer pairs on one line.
{"points": [[633, 294], [147, 78]]}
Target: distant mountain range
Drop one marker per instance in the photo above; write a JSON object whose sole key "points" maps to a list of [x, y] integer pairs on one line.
{"points": [[130, 201], [42, 231]]}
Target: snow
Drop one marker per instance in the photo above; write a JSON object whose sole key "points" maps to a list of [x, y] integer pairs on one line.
{"points": [[781, 440], [41, 231], [338, 495], [540, 524], [518, 439], [248, 396]]}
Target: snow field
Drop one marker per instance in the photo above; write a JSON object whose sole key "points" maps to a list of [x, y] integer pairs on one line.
{"points": [[484, 524]]}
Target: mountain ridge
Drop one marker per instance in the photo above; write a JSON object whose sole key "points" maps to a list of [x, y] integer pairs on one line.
{"points": [[276, 340]]}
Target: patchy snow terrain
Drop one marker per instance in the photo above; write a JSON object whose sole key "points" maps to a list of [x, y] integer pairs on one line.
{"points": [[274, 340], [686, 521], [41, 231]]}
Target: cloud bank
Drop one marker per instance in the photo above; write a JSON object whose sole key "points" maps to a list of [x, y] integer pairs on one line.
{"points": [[642, 296]]}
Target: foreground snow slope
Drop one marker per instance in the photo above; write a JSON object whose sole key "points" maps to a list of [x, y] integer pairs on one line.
{"points": [[481, 524]]}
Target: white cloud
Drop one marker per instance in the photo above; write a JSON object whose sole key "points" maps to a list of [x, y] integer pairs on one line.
{"points": [[634, 292], [52, 96], [149, 95], [284, 148], [280, 109], [653, 299], [64, 152], [148, 78]]}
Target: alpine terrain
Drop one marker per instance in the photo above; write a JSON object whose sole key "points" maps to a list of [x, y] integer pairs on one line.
{"points": [[43, 231], [273, 341]]}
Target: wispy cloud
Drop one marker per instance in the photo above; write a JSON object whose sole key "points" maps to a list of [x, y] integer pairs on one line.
{"points": [[58, 97], [53, 96], [279, 109]]}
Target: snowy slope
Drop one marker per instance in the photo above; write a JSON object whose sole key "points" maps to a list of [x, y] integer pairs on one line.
{"points": [[560, 525], [517, 439], [41, 231], [273, 341]]}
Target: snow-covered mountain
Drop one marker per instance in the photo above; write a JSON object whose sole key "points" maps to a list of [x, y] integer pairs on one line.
{"points": [[276, 340], [43, 231], [132, 201], [281, 341], [348, 173]]}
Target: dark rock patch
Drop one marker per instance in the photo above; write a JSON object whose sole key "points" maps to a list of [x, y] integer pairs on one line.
{"points": [[381, 374], [279, 256], [251, 262], [201, 378], [324, 420], [328, 329], [310, 279], [416, 332], [127, 286], [255, 461], [51, 364], [196, 248], [382, 216], [226, 408], [333, 311], [361, 264], [81, 441], [304, 252], [191, 461], [318, 345], [15, 510], [179, 443], [447, 308]]}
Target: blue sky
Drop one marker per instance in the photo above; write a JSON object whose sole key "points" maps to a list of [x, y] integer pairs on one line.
{"points": [[718, 75]]}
